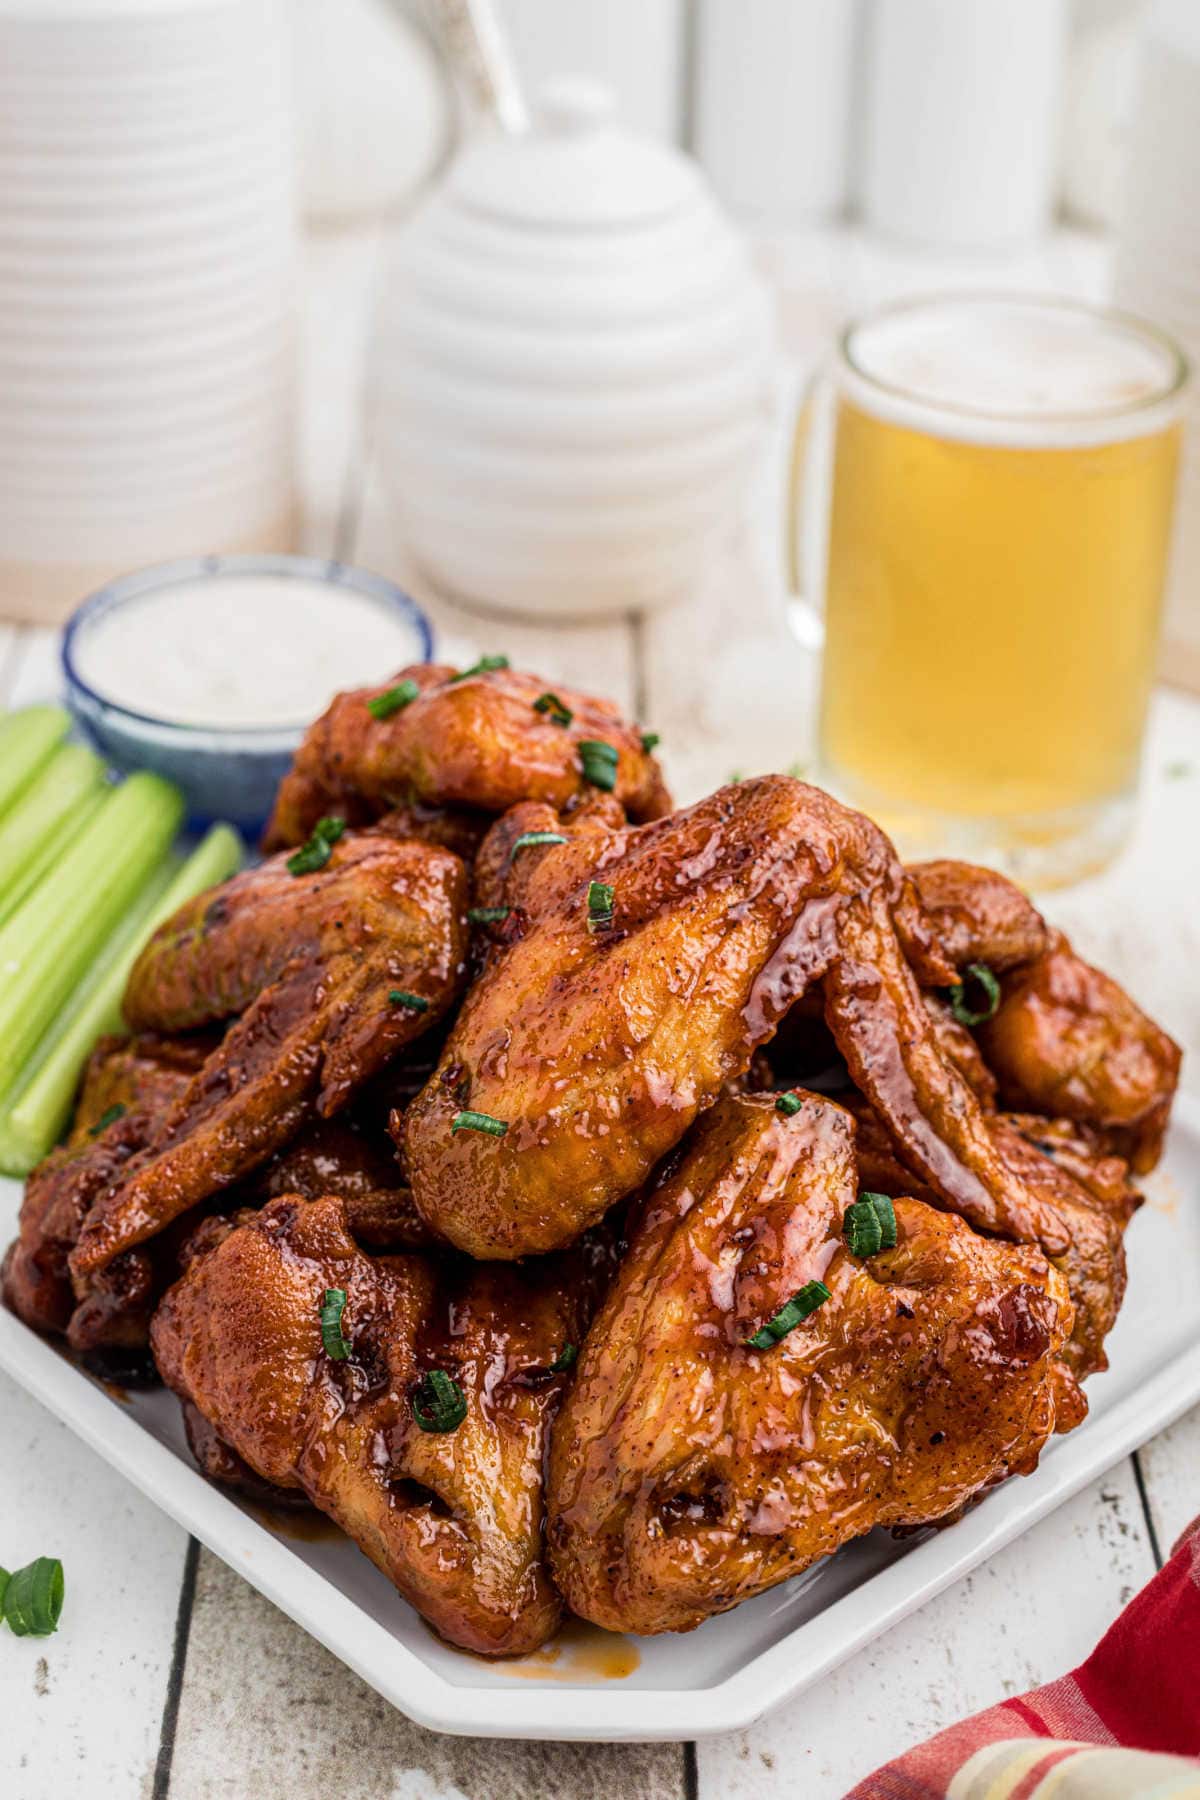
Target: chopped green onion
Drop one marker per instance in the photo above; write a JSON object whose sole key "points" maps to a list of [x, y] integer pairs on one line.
{"points": [[563, 1360], [600, 905], [528, 838], [332, 1307], [598, 761], [439, 1404], [957, 995], [393, 700], [27, 739], [477, 1121], [787, 1104], [484, 666], [488, 915], [33, 1598], [650, 741], [41, 1104], [415, 1002], [317, 851], [107, 1118], [552, 705], [870, 1225], [811, 1295]]}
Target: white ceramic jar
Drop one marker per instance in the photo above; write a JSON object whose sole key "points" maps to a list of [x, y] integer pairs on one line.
{"points": [[571, 369]]}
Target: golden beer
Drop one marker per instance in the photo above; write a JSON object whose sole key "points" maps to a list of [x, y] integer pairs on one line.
{"points": [[1003, 478]]}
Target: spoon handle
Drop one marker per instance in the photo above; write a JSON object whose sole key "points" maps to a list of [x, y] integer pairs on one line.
{"points": [[481, 61]]}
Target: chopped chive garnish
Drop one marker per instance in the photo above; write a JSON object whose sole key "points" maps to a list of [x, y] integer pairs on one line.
{"points": [[870, 1225], [600, 905], [316, 852], [414, 1002], [331, 1324], [650, 741], [563, 1360], [393, 700], [552, 706], [477, 1121], [787, 1104], [811, 1295], [33, 1598], [108, 1117], [438, 1404], [529, 838], [957, 995], [598, 761], [488, 915], [484, 666]]}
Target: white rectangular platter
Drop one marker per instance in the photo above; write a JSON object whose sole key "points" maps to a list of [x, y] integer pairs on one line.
{"points": [[734, 1668]]}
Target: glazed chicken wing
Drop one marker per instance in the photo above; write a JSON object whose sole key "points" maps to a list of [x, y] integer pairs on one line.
{"points": [[595, 1045], [329, 974], [128, 1085], [979, 916], [453, 1517], [1069, 1042], [690, 1470], [467, 739]]}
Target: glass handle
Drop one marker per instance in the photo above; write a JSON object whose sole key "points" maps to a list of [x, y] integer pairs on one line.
{"points": [[807, 508]]}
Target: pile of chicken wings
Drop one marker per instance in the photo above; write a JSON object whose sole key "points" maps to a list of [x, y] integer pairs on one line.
{"points": [[591, 1205]]}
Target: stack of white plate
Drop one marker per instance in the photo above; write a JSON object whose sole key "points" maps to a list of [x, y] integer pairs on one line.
{"points": [[147, 249], [1157, 274]]}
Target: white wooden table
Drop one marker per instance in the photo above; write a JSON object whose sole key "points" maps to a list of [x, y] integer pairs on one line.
{"points": [[169, 1676]]}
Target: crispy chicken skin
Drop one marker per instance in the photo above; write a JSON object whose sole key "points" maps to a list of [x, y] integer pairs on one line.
{"points": [[470, 741], [979, 916], [454, 1519], [142, 1076], [597, 1048], [307, 964], [689, 1471], [1069, 1042], [357, 1166]]}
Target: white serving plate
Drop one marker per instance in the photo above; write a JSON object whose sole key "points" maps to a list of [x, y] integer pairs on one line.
{"points": [[732, 1669]]}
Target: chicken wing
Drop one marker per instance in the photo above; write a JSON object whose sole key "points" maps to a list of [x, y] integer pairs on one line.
{"points": [[470, 739], [592, 1046], [454, 1517], [330, 974], [979, 916], [690, 1470], [128, 1084], [1069, 1042]]}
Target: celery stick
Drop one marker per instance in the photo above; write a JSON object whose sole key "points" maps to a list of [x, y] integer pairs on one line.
{"points": [[71, 774], [42, 862], [51, 940], [40, 1109], [26, 740]]}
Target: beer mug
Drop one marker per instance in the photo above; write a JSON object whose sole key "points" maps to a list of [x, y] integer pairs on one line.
{"points": [[997, 494]]}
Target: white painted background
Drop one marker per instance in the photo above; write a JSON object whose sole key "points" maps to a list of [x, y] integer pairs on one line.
{"points": [[169, 1676]]}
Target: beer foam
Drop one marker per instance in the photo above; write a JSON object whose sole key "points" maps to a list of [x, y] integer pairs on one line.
{"points": [[1027, 373]]}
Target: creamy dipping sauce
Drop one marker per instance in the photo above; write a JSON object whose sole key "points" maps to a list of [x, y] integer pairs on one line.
{"points": [[242, 650]]}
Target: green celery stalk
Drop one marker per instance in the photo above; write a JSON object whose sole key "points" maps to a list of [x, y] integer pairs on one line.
{"points": [[33, 1121], [43, 860], [26, 741], [51, 940], [72, 773]]}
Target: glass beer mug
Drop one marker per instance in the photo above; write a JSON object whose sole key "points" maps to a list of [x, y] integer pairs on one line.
{"points": [[1000, 487]]}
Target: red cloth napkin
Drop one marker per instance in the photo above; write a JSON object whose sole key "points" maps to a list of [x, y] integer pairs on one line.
{"points": [[1140, 1688]]}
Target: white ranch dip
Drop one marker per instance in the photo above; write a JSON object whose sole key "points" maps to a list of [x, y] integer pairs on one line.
{"points": [[241, 650]]}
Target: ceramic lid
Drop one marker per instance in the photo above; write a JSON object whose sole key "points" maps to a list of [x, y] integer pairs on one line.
{"points": [[575, 167]]}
